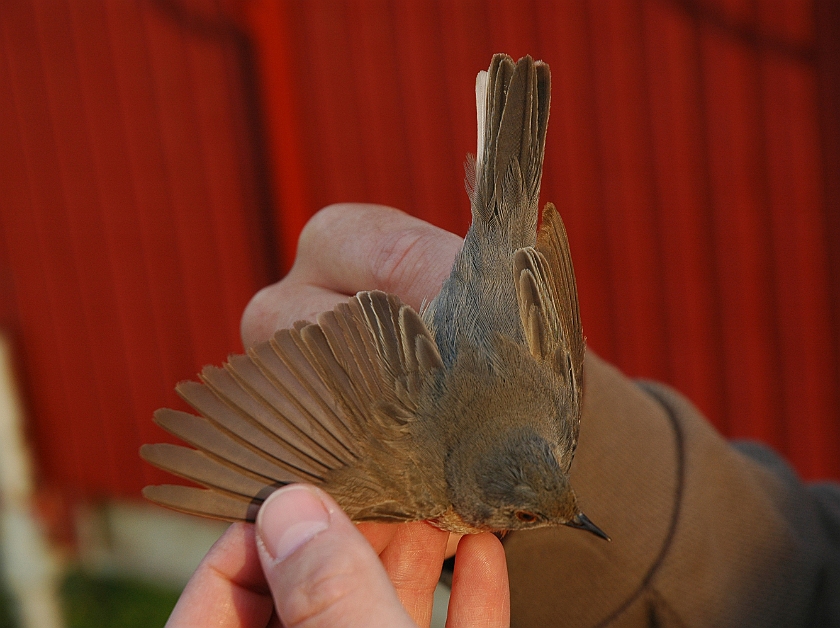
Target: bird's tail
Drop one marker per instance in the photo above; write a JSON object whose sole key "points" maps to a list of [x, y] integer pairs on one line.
{"points": [[513, 103], [504, 187]]}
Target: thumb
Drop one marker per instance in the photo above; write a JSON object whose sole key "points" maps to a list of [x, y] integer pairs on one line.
{"points": [[319, 567]]}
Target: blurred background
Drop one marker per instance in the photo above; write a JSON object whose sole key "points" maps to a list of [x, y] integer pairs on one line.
{"points": [[158, 159]]}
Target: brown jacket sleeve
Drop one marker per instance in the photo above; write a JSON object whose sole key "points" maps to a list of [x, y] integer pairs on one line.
{"points": [[702, 533]]}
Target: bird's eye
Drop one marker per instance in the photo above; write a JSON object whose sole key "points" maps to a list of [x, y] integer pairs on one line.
{"points": [[526, 517]]}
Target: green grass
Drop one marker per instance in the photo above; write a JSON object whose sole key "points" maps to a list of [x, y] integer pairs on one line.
{"points": [[6, 620], [96, 601]]}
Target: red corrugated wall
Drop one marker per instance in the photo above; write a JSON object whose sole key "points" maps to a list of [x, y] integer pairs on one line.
{"points": [[692, 150], [129, 220]]}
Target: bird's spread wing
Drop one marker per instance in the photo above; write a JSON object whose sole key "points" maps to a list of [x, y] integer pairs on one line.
{"points": [[306, 404], [548, 304]]}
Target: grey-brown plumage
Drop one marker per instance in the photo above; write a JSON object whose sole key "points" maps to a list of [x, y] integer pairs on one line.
{"points": [[466, 414]]}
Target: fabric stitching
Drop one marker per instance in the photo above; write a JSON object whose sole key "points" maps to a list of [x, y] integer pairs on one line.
{"points": [[652, 389]]}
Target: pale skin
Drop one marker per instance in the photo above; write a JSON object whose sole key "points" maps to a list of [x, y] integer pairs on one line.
{"points": [[313, 567]]}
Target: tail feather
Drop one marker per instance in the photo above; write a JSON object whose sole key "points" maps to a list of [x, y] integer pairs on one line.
{"points": [[513, 104]]}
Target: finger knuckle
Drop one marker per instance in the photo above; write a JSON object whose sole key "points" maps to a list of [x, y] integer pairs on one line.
{"points": [[319, 600], [318, 228], [400, 258], [256, 318], [259, 303]]}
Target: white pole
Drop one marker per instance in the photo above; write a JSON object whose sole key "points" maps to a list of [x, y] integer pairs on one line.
{"points": [[28, 567]]}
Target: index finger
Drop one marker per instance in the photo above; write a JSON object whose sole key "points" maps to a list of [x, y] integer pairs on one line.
{"points": [[413, 561], [348, 248], [353, 246]]}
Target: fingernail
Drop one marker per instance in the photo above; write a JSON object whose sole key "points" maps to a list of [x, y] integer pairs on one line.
{"points": [[290, 517]]}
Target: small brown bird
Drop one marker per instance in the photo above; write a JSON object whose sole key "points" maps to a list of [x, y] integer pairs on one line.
{"points": [[466, 414]]}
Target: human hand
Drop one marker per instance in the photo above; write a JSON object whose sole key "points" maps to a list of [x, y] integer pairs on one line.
{"points": [[319, 570], [347, 248]]}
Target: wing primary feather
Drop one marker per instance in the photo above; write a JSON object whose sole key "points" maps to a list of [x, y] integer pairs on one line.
{"points": [[240, 395], [275, 408], [197, 466], [203, 502], [333, 372], [342, 339], [245, 428], [207, 436], [292, 398], [360, 342], [292, 351], [319, 399]]}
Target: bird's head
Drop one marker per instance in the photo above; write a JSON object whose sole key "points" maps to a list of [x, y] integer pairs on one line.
{"points": [[514, 484]]}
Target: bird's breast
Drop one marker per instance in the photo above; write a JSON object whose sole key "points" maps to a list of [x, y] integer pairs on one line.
{"points": [[451, 521]]}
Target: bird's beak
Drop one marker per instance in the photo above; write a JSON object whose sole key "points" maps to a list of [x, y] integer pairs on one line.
{"points": [[582, 522]]}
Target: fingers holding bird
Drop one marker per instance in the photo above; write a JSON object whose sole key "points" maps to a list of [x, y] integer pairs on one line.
{"points": [[411, 554]]}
